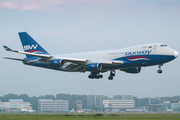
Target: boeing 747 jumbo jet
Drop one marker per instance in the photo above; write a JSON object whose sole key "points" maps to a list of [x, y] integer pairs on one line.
{"points": [[129, 59]]}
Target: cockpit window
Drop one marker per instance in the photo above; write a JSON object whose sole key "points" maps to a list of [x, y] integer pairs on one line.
{"points": [[163, 45]]}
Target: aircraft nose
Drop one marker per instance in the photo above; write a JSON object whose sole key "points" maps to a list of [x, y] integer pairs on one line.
{"points": [[176, 54]]}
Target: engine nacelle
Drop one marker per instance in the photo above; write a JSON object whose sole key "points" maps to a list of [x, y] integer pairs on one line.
{"points": [[133, 70], [57, 63], [94, 66]]}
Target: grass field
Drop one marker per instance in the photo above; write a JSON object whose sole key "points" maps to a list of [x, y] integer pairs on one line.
{"points": [[127, 116]]}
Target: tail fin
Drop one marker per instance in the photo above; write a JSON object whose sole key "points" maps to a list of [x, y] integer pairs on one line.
{"points": [[30, 45]]}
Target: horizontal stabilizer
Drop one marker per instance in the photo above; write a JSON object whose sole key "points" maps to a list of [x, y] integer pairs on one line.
{"points": [[15, 59], [7, 48], [27, 53]]}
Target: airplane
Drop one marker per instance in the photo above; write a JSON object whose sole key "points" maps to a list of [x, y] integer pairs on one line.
{"points": [[27, 111], [129, 60], [168, 110]]}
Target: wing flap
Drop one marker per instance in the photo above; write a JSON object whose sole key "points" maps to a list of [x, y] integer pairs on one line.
{"points": [[74, 67], [78, 67], [73, 60]]}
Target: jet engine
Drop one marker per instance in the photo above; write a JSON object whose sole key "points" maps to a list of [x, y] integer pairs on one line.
{"points": [[133, 70], [57, 63], [94, 67]]}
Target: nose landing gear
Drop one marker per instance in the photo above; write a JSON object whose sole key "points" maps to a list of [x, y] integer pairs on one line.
{"points": [[159, 70]]}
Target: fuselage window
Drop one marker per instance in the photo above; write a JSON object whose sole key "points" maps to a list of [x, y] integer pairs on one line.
{"points": [[163, 45]]}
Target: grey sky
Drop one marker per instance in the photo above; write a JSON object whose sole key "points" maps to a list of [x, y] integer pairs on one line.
{"points": [[69, 26]]}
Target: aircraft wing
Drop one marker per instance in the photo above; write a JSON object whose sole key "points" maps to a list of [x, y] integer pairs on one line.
{"points": [[75, 62]]}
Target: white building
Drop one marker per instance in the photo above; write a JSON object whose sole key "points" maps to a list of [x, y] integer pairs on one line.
{"points": [[118, 104], [49, 105], [14, 106], [175, 106]]}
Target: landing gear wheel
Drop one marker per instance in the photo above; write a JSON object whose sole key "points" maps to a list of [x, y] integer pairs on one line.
{"points": [[100, 76], [112, 74], [110, 78], [159, 71], [90, 77], [95, 75]]}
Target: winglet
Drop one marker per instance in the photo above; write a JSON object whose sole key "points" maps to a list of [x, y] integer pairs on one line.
{"points": [[7, 48]]}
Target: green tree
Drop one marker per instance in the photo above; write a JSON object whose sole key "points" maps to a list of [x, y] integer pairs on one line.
{"points": [[94, 108], [135, 101], [24, 97], [9, 96]]}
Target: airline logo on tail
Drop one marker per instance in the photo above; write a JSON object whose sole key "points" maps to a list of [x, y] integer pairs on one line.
{"points": [[28, 47], [32, 49]]}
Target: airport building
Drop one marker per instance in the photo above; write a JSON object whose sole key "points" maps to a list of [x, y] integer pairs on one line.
{"points": [[118, 104], [14, 106], [166, 103], [175, 106], [152, 104], [79, 105], [143, 102], [155, 101], [49, 105], [90, 100], [97, 100], [122, 97]]}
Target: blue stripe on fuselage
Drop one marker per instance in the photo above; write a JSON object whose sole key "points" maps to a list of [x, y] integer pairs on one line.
{"points": [[153, 60]]}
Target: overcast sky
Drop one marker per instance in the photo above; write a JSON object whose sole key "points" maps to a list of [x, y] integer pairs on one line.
{"points": [[70, 26]]}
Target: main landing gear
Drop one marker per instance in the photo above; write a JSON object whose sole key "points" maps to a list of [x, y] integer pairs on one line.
{"points": [[112, 74], [95, 75], [159, 70]]}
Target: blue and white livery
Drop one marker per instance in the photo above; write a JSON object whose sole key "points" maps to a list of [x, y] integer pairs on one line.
{"points": [[129, 59]]}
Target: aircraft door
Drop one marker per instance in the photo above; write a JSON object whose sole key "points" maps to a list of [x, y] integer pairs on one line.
{"points": [[155, 46]]}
